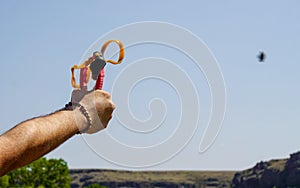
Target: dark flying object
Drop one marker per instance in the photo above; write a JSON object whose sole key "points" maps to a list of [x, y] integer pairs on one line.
{"points": [[261, 57]]}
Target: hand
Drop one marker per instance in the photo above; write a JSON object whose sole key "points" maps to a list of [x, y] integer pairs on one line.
{"points": [[99, 107]]}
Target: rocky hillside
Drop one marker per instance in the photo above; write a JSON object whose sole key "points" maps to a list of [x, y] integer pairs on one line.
{"points": [[275, 173], [281, 173], [113, 178]]}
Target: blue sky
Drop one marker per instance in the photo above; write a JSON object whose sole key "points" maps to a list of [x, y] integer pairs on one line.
{"points": [[40, 41]]}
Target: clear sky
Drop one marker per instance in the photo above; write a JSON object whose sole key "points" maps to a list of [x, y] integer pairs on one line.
{"points": [[40, 41]]}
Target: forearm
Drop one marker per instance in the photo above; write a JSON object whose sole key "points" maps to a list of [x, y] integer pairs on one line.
{"points": [[34, 138]]}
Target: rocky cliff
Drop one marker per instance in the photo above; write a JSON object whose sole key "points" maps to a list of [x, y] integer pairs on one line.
{"points": [[275, 173]]}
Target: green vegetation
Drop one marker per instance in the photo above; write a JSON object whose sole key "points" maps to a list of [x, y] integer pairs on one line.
{"points": [[55, 173], [94, 186], [41, 173]]}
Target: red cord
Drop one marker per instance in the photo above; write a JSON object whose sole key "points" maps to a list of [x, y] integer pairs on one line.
{"points": [[100, 80]]}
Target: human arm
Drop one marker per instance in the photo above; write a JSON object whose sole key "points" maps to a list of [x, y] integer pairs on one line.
{"points": [[34, 138]]}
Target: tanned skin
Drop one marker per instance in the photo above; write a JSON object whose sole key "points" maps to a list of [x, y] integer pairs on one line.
{"points": [[31, 139]]}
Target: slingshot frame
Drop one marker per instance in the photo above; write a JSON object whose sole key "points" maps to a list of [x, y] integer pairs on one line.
{"points": [[85, 70]]}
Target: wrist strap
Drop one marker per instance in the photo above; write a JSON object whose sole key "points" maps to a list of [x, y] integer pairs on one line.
{"points": [[73, 105]]}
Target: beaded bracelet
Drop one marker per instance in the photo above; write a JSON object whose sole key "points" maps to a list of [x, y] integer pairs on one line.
{"points": [[73, 105]]}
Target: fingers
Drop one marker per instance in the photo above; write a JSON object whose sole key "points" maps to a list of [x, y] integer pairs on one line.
{"points": [[107, 107], [99, 105], [101, 93]]}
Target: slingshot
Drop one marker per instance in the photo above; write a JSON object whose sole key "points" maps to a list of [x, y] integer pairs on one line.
{"points": [[95, 65]]}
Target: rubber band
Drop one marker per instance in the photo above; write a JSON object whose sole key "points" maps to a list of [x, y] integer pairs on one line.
{"points": [[121, 53], [85, 68]]}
